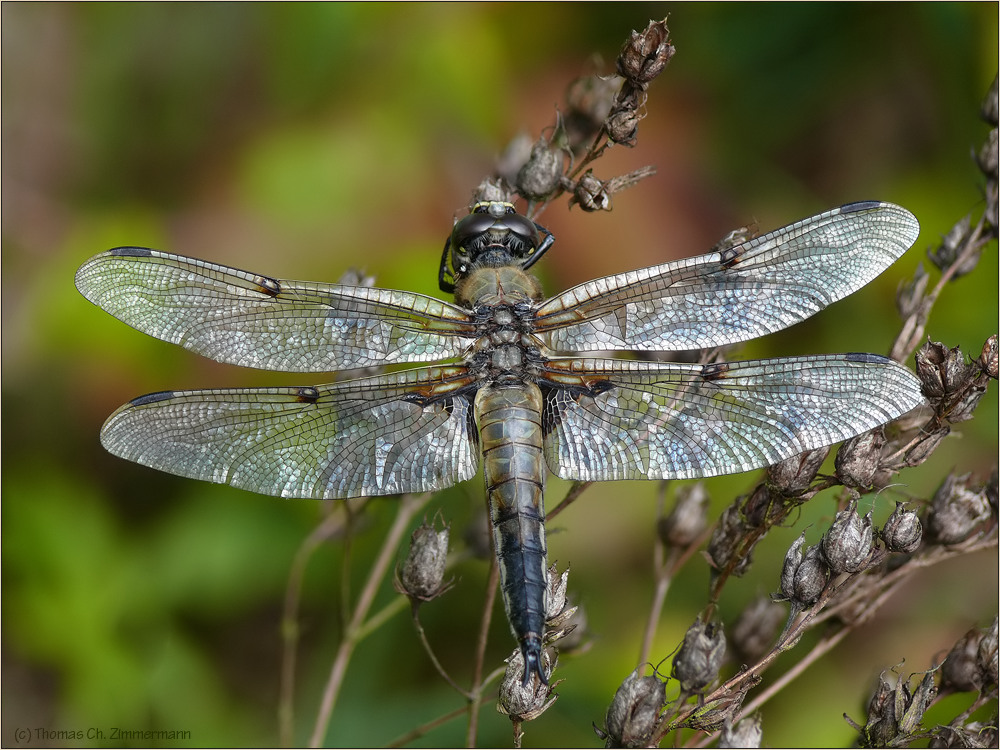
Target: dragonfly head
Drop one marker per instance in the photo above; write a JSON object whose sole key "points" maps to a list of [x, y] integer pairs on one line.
{"points": [[494, 234]]}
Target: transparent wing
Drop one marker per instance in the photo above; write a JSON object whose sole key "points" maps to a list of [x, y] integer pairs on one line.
{"points": [[250, 320], [754, 288], [607, 419], [406, 432]]}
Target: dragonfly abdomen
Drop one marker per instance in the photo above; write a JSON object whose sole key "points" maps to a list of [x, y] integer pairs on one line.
{"points": [[510, 426]]}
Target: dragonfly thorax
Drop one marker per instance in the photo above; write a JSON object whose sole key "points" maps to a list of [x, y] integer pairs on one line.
{"points": [[506, 349], [508, 286]]}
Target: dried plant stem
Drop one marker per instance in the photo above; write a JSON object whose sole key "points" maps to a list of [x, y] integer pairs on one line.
{"points": [[667, 566], [379, 618], [493, 581], [418, 732], [571, 495], [663, 562], [432, 656], [821, 648], [891, 581], [329, 527], [409, 506], [912, 331]]}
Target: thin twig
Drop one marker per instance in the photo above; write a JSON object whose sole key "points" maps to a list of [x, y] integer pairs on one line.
{"points": [[663, 563], [328, 528], [418, 732], [572, 494], [409, 506], [492, 582], [433, 657]]}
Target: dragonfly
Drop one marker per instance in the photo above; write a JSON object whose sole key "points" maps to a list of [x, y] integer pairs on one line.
{"points": [[513, 390]]}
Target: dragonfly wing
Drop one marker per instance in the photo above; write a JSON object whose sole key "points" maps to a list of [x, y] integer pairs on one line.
{"points": [[412, 431], [607, 419], [246, 319], [754, 288]]}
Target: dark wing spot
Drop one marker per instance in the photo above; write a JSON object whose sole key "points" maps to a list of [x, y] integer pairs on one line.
{"points": [[428, 397], [471, 428], [596, 389], [152, 398], [267, 285], [130, 252], [874, 359], [558, 397], [307, 395], [714, 371], [731, 256], [419, 399], [851, 208]]}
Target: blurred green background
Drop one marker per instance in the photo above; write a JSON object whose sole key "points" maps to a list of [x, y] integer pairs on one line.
{"points": [[300, 140]]}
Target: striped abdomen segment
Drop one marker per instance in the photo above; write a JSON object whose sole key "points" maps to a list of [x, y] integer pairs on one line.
{"points": [[510, 426]]}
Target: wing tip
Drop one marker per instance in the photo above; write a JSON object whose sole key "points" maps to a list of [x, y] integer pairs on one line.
{"points": [[82, 278], [907, 217]]}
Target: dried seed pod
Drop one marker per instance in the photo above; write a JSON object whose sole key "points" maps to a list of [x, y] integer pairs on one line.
{"points": [[555, 592], [792, 476], [758, 505], [478, 536], [925, 447], [734, 238], [956, 511], [989, 357], [803, 577], [492, 191], [589, 100], [894, 713], [952, 246], [700, 656], [539, 177], [962, 407], [973, 734], [910, 295], [916, 705], [986, 656], [987, 156], [746, 733], [633, 712], [858, 459], [847, 544], [880, 724], [591, 194], [941, 370], [960, 669], [756, 628], [727, 538], [811, 577], [989, 106], [573, 635], [622, 125], [422, 573], [793, 559], [990, 490], [524, 702], [646, 54], [902, 531], [513, 158], [688, 518]]}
